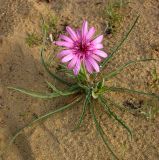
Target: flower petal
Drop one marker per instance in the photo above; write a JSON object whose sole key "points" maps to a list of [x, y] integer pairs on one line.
{"points": [[67, 58], [78, 32], [64, 44], [93, 47], [97, 58], [100, 53], [98, 46], [72, 62], [90, 33], [77, 67], [84, 29], [98, 40], [94, 64], [88, 66], [65, 38], [72, 33], [64, 53]]}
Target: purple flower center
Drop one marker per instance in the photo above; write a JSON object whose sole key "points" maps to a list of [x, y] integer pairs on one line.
{"points": [[83, 48]]}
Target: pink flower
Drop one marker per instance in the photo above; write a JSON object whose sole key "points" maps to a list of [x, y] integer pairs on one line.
{"points": [[81, 49]]}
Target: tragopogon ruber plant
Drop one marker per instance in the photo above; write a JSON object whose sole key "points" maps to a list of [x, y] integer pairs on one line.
{"points": [[82, 56]]}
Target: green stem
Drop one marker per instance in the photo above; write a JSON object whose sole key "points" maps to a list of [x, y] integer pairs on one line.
{"points": [[86, 74]]}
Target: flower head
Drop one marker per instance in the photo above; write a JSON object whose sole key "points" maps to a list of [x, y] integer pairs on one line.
{"points": [[81, 49]]}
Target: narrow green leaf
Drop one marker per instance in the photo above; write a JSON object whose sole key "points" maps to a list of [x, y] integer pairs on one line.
{"points": [[120, 68], [120, 43], [85, 87], [68, 72], [54, 75], [101, 132], [116, 117], [70, 75], [74, 87], [62, 93], [43, 117], [120, 107], [83, 112], [35, 94], [118, 89], [44, 95]]}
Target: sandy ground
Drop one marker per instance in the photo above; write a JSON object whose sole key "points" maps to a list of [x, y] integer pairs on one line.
{"points": [[20, 66]]}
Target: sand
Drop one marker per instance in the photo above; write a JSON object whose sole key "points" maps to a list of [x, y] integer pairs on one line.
{"points": [[20, 66]]}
